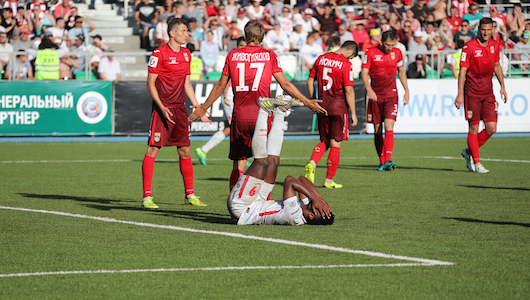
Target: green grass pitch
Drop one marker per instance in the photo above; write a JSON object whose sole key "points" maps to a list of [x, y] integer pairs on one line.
{"points": [[429, 208]]}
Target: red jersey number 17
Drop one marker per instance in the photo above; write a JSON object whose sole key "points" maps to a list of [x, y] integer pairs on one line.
{"points": [[241, 87]]}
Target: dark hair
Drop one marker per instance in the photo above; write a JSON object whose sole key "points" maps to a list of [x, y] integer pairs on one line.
{"points": [[485, 21], [333, 41], [254, 32], [464, 21], [321, 221], [48, 44], [240, 39], [351, 46], [460, 44], [174, 23], [389, 35], [432, 23], [9, 9], [190, 47], [328, 4]]}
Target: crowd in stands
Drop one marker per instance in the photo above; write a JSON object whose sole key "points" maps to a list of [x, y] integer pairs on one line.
{"points": [[311, 26], [54, 40]]}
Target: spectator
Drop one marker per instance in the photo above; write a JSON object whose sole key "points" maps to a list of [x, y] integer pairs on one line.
{"points": [[212, 9], [80, 29], [437, 60], [409, 16], [473, 17], [398, 9], [439, 11], [60, 33], [69, 19], [464, 34], [266, 20], [375, 40], [196, 65], [97, 47], [368, 20], [286, 22], [403, 50], [405, 33], [223, 16], [178, 12], [47, 59], [360, 36], [15, 36], [454, 21], [328, 19], [219, 28], [255, 11], [349, 16], [276, 40], [62, 10], [165, 11], [274, 5], [309, 23], [23, 18], [21, 68], [24, 42], [161, 34], [420, 11], [211, 53], [416, 69], [344, 34], [501, 21], [195, 34], [78, 50], [430, 31], [231, 9], [195, 12], [523, 49], [6, 50], [41, 3], [13, 4], [147, 16], [109, 68], [298, 37], [455, 59], [379, 7], [8, 22], [333, 43], [393, 22], [447, 33], [242, 20], [514, 21], [41, 18], [416, 46], [311, 50], [462, 7]]}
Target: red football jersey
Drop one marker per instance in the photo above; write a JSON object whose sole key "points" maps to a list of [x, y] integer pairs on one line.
{"points": [[332, 72], [250, 70], [480, 63], [172, 68], [382, 69], [454, 24]]}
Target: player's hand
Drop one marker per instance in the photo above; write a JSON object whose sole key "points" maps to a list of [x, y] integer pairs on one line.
{"points": [[406, 98], [198, 113], [314, 106], [167, 114], [459, 101], [205, 119], [354, 120], [323, 208], [226, 101], [504, 95], [371, 95]]}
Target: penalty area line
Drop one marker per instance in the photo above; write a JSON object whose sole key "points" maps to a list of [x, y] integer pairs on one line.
{"points": [[239, 235], [213, 269]]}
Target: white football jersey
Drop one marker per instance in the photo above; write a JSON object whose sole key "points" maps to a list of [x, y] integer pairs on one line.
{"points": [[275, 212]]}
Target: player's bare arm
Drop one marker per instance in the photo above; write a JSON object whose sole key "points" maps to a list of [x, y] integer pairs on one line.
{"points": [[500, 77], [191, 95], [403, 78], [216, 92], [459, 100], [151, 88], [225, 93], [311, 86], [295, 93], [306, 188], [349, 93], [366, 80]]}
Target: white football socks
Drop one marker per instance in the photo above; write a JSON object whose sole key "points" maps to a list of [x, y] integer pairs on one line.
{"points": [[218, 137], [265, 190], [259, 141], [275, 141]]}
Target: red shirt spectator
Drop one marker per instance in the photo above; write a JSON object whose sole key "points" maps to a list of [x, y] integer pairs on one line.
{"points": [[62, 10], [462, 7], [454, 21]]}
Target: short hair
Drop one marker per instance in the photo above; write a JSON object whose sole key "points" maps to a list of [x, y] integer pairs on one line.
{"points": [[484, 21], [466, 21], [254, 32], [174, 23], [312, 34], [240, 39], [389, 35], [432, 23], [190, 47], [318, 220], [351, 46], [9, 9], [334, 41], [328, 5], [58, 19], [460, 44]]}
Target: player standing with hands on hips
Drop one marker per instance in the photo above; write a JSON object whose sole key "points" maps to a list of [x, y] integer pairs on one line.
{"points": [[479, 60], [334, 75], [168, 80], [380, 65]]}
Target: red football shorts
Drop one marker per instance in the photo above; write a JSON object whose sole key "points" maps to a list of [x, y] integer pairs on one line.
{"points": [[480, 108], [383, 108], [164, 133], [241, 134], [333, 127]]}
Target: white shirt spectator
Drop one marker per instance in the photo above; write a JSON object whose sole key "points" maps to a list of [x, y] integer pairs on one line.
{"points": [[312, 52], [111, 69], [241, 23], [287, 25], [309, 26], [298, 39], [277, 42], [252, 12], [347, 36], [59, 33]]}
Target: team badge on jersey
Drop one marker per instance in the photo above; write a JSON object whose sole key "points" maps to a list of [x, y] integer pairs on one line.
{"points": [[186, 57], [492, 49], [469, 114], [393, 55], [157, 137], [153, 61]]}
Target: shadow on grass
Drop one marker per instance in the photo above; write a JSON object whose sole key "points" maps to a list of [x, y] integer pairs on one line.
{"points": [[488, 222], [495, 188], [106, 204]]}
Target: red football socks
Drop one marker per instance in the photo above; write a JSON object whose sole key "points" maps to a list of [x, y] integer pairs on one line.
{"points": [[333, 162], [234, 176], [379, 147], [186, 169], [389, 145], [148, 168], [318, 152], [473, 144], [483, 137]]}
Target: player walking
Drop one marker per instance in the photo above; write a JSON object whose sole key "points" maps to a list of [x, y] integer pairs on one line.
{"points": [[250, 70], [248, 204], [380, 65], [168, 80], [479, 60], [228, 108], [333, 72]]}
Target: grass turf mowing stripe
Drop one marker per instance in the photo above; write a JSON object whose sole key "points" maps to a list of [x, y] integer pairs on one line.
{"points": [[238, 235], [214, 269]]}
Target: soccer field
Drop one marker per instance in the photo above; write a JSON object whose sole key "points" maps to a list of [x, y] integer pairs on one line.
{"points": [[71, 226]]}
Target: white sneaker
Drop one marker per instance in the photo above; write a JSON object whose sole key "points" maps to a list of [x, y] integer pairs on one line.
{"points": [[469, 160], [480, 169]]}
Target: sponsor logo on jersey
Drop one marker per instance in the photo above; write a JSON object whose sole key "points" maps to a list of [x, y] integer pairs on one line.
{"points": [[157, 137], [173, 61], [478, 53], [186, 57], [153, 61], [378, 57]]}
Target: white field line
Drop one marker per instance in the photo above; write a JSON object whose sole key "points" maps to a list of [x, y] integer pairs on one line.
{"points": [[222, 159], [420, 261], [212, 269]]}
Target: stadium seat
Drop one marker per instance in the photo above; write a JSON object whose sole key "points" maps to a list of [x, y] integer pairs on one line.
{"points": [[289, 65], [214, 75], [288, 76], [302, 75], [447, 74], [81, 76], [431, 74]]}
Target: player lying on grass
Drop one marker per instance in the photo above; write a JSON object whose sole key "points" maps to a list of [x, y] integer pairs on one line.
{"points": [[248, 203]]}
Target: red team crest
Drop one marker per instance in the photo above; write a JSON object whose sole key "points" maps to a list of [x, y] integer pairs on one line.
{"points": [[186, 57], [392, 55], [157, 137], [492, 49]]}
